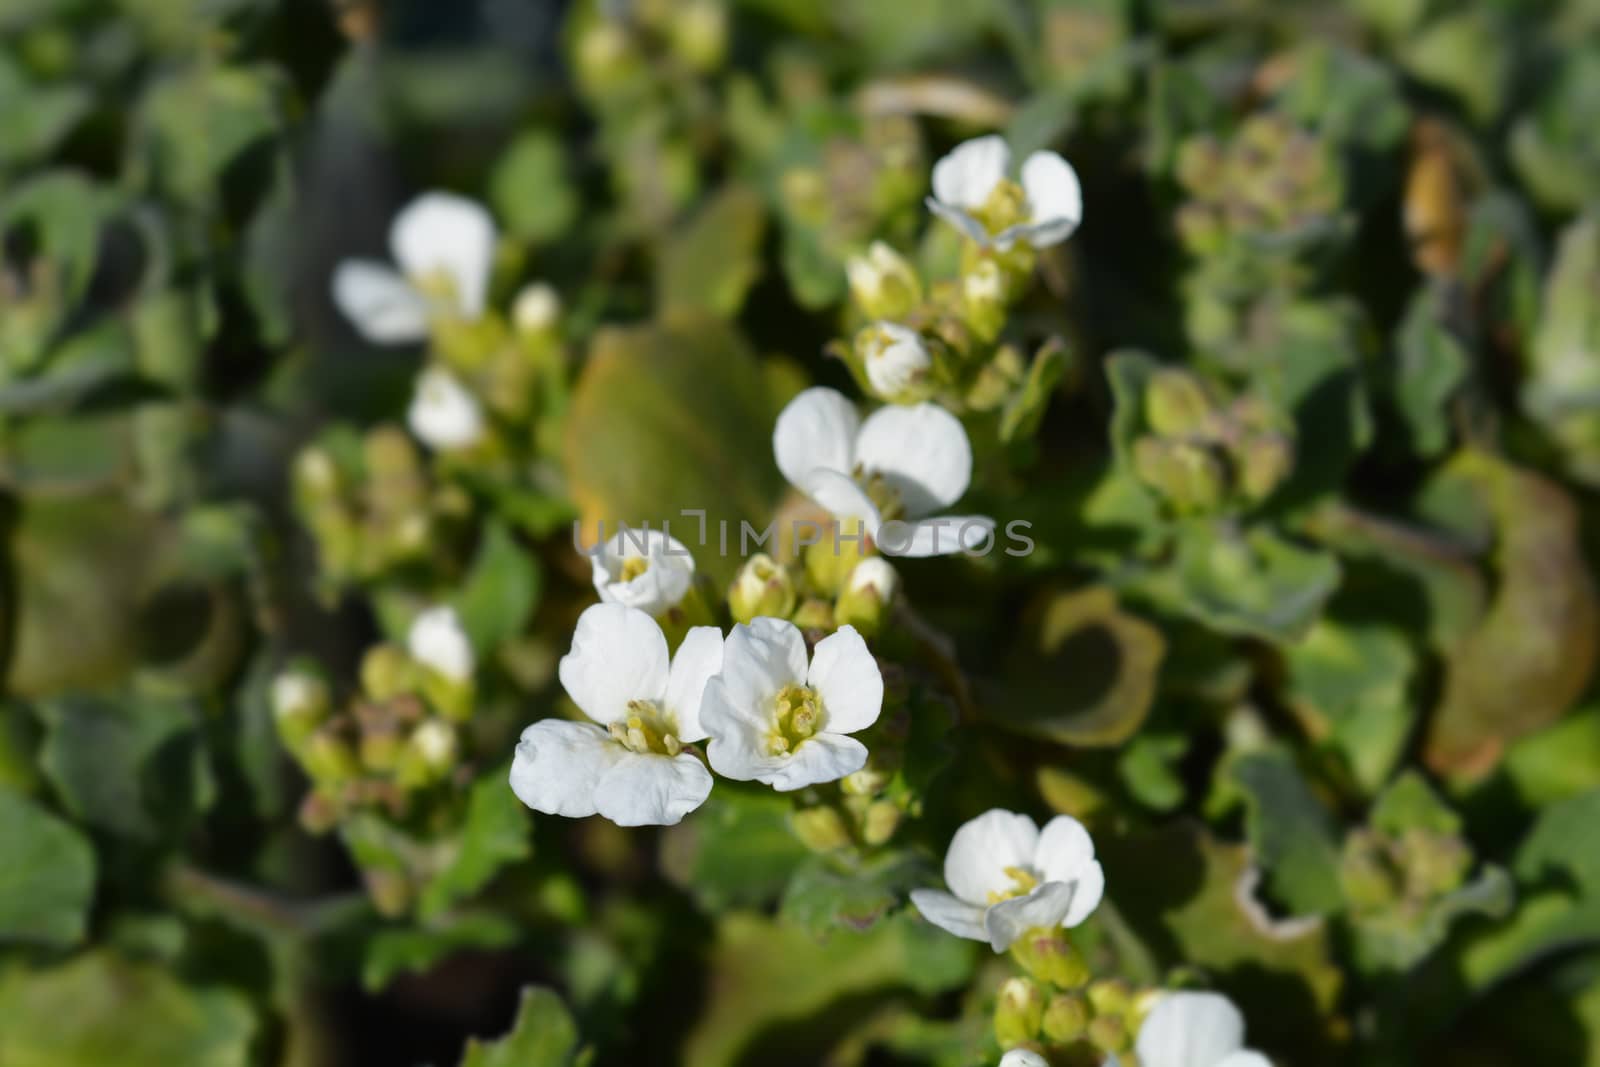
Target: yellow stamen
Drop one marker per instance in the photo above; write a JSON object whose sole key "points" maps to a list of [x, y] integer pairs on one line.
{"points": [[634, 566]]}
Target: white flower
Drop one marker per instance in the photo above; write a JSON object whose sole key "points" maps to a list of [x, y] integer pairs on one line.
{"points": [[891, 471], [773, 720], [896, 359], [443, 413], [1194, 1030], [444, 246], [1007, 876], [883, 283], [875, 574], [1021, 1057], [631, 768], [645, 569], [964, 180], [437, 640]]}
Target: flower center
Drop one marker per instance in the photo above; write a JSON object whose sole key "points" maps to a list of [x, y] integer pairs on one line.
{"points": [[1007, 205], [885, 497], [437, 285], [634, 566], [797, 715], [648, 729], [1023, 882]]}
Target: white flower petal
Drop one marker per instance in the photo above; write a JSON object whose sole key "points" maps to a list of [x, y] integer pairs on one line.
{"points": [[443, 413], [443, 234], [380, 303], [1066, 854], [898, 361], [983, 848], [943, 535], [816, 429], [1022, 1057], [1245, 1058], [558, 765], [618, 654], [664, 582], [652, 790], [1190, 1030], [969, 226], [874, 573], [948, 913], [1055, 198], [697, 659], [921, 450], [437, 639], [758, 659], [1008, 920], [846, 677], [737, 748], [968, 174], [823, 758], [843, 498]]}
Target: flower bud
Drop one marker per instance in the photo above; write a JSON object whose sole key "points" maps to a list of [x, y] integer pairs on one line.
{"points": [[896, 361], [831, 560], [1366, 878], [814, 614], [389, 890], [821, 829], [983, 298], [444, 414], [316, 475], [1109, 1033], [1176, 404], [606, 57], [1110, 996], [429, 754], [1264, 461], [300, 702], [319, 813], [868, 592], [380, 748], [537, 310], [883, 283], [880, 821], [1188, 475], [386, 672], [1045, 953], [698, 32], [763, 587], [869, 781], [1435, 863], [1018, 1012], [1066, 1018], [328, 758]]}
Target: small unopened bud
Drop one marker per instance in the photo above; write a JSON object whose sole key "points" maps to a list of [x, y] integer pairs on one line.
{"points": [[883, 283], [763, 587], [1066, 1018], [429, 755], [328, 758], [537, 309], [389, 890], [315, 473], [1176, 404], [1435, 863], [1366, 877], [319, 813], [1109, 1033], [300, 702], [1018, 1012], [698, 32], [896, 360], [1188, 475], [1045, 953], [868, 593], [380, 748], [386, 672], [867, 782], [881, 820], [814, 614], [444, 414], [1265, 460], [821, 829], [1110, 996], [984, 297]]}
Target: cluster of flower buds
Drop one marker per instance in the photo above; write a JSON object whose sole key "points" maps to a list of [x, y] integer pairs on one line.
{"points": [[371, 505], [1054, 1007], [1202, 455], [837, 585], [1410, 856], [395, 740], [622, 50]]}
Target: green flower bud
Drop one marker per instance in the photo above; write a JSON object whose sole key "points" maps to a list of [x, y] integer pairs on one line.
{"points": [[1066, 1018], [883, 283], [387, 672], [1045, 953], [831, 560], [319, 812], [698, 32], [1264, 463], [328, 758], [762, 587], [821, 829], [1201, 166], [1176, 404], [869, 781], [300, 702], [1435, 863], [389, 890], [537, 311], [1109, 1033], [880, 821], [1188, 475], [429, 755], [814, 614], [1367, 879], [606, 59], [316, 475], [1018, 1012], [1110, 996], [984, 297], [867, 595], [380, 748]]}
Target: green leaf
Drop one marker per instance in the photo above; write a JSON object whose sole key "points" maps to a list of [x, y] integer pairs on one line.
{"points": [[851, 894], [543, 1035], [500, 591], [1430, 364], [738, 850], [1352, 683], [1293, 835], [530, 190], [37, 118], [47, 880], [710, 263], [100, 1009], [495, 833], [399, 950], [193, 126], [1251, 582], [671, 417]]}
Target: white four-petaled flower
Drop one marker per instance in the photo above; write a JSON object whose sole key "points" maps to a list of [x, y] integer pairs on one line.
{"points": [[964, 180], [629, 764], [1006, 876], [1022, 1057], [444, 247], [645, 569], [776, 720], [1194, 1030], [891, 471], [443, 413], [437, 639]]}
